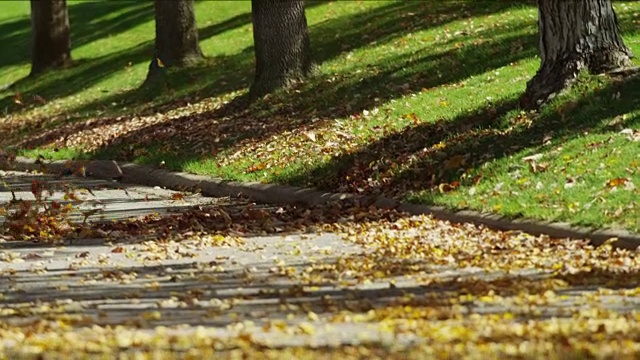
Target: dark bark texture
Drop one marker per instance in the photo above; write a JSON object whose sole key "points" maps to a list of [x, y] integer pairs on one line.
{"points": [[51, 45], [176, 34], [281, 42], [575, 35]]}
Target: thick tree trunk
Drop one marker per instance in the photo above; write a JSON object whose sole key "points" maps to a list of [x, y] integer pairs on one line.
{"points": [[281, 42], [176, 35], [51, 45], [574, 35]]}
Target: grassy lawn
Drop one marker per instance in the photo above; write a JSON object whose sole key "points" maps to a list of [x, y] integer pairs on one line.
{"points": [[412, 99]]}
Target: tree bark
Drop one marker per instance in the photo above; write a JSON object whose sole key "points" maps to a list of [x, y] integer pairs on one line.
{"points": [[51, 44], [281, 43], [574, 36], [176, 41]]}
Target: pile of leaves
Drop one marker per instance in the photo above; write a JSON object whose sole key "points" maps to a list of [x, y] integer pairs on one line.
{"points": [[247, 219], [39, 219]]}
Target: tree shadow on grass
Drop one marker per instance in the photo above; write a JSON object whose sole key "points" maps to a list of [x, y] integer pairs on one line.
{"points": [[240, 20], [411, 160], [91, 22], [226, 25], [76, 78], [347, 33], [14, 37], [183, 86], [320, 98], [329, 38], [88, 22]]}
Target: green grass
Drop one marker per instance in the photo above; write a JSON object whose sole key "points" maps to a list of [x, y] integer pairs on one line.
{"points": [[582, 169], [412, 99]]}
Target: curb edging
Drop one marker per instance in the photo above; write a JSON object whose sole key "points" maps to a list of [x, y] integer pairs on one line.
{"points": [[281, 194]]}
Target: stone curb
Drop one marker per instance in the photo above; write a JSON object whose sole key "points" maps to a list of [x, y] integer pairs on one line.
{"points": [[280, 194]]}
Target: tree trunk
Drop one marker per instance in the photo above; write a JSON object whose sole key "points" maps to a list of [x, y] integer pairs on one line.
{"points": [[176, 35], [51, 45], [281, 42], [574, 35]]}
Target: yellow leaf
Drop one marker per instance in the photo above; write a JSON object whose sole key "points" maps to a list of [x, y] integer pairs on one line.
{"points": [[160, 63], [307, 328], [439, 146], [313, 316], [311, 135], [152, 315], [610, 242]]}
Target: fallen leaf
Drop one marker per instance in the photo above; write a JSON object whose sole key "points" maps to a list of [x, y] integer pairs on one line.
{"points": [[310, 135], [455, 162], [616, 182], [534, 157], [177, 197]]}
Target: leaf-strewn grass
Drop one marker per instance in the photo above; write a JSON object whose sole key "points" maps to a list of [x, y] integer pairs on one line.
{"points": [[412, 99]]}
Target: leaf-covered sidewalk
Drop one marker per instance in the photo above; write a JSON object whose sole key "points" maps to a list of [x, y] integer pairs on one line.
{"points": [[227, 278]]}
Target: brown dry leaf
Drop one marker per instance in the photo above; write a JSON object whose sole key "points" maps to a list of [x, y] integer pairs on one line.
{"points": [[448, 187], [455, 162], [536, 168], [31, 256], [617, 182], [177, 197], [258, 167]]}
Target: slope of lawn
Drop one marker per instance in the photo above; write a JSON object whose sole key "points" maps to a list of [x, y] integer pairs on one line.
{"points": [[417, 100]]}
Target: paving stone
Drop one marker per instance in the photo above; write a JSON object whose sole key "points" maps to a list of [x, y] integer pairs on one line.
{"points": [[225, 289]]}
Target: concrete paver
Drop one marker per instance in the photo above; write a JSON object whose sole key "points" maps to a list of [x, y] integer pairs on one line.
{"points": [[240, 288]]}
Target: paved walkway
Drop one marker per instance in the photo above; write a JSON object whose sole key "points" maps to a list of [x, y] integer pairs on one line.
{"points": [[271, 290]]}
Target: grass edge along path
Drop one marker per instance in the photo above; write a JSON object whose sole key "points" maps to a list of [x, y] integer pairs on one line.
{"points": [[282, 194]]}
